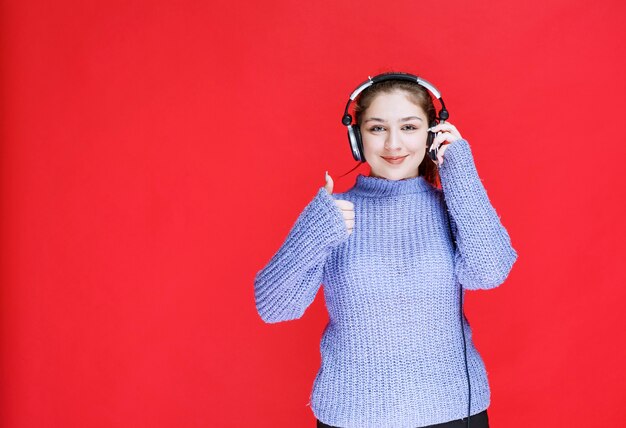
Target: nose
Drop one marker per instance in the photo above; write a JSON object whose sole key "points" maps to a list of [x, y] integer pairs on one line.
{"points": [[393, 141]]}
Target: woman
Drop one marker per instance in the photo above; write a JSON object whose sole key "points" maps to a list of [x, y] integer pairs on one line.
{"points": [[395, 254]]}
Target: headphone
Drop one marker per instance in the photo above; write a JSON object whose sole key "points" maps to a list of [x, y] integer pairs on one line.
{"points": [[354, 133], [356, 145]]}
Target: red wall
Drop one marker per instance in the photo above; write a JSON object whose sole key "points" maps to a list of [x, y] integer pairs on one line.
{"points": [[155, 154]]}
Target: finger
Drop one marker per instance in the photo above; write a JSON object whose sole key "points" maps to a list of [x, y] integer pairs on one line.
{"points": [[436, 143], [443, 126], [441, 154], [438, 147], [442, 149], [350, 224], [344, 205], [329, 184], [446, 127], [432, 150], [442, 137], [348, 214]]}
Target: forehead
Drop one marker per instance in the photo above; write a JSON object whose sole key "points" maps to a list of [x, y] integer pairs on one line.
{"points": [[396, 102]]}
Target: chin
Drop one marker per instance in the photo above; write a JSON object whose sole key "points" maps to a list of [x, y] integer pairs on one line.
{"points": [[393, 175]]}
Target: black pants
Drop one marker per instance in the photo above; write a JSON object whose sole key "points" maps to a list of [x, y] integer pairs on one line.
{"points": [[479, 420]]}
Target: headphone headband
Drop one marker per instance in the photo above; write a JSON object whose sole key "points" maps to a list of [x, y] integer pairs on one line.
{"points": [[395, 76]]}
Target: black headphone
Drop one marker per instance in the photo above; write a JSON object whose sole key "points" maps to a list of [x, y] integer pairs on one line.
{"points": [[354, 133]]}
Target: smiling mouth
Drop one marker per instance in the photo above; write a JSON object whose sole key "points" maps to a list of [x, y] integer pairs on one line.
{"points": [[395, 159]]}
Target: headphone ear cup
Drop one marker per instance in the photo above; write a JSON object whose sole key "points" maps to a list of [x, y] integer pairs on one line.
{"points": [[359, 143], [429, 141], [356, 146], [431, 134]]}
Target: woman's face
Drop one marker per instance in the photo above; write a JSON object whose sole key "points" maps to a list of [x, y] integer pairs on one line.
{"points": [[394, 127]]}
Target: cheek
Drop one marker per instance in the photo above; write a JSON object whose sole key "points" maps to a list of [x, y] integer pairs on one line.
{"points": [[372, 142], [417, 141]]}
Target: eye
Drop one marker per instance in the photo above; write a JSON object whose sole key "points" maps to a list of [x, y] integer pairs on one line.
{"points": [[377, 128], [409, 128]]}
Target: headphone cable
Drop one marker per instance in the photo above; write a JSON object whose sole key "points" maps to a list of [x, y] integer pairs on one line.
{"points": [[357, 165], [469, 388]]}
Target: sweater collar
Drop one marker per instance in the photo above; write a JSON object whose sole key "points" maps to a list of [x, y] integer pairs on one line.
{"points": [[376, 187]]}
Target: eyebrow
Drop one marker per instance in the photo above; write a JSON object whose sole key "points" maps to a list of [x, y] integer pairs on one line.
{"points": [[404, 119]]}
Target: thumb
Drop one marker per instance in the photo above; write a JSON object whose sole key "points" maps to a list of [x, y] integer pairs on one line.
{"points": [[329, 184]]}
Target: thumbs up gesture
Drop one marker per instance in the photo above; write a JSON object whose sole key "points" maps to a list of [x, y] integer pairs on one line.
{"points": [[347, 207]]}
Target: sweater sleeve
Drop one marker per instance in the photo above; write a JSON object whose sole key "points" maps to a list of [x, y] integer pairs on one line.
{"points": [[287, 285], [484, 254]]}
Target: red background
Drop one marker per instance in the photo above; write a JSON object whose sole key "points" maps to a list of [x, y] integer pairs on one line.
{"points": [[155, 154]]}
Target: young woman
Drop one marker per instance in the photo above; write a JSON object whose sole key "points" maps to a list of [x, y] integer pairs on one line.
{"points": [[395, 254]]}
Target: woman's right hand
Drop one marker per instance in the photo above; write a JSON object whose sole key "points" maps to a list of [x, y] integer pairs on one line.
{"points": [[347, 207]]}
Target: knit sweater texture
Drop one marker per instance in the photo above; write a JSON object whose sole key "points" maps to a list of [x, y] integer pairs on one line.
{"points": [[392, 350]]}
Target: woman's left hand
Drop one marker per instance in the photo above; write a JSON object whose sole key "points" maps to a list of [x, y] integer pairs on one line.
{"points": [[446, 132]]}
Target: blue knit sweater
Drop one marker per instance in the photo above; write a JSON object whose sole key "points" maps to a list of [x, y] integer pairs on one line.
{"points": [[392, 351]]}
